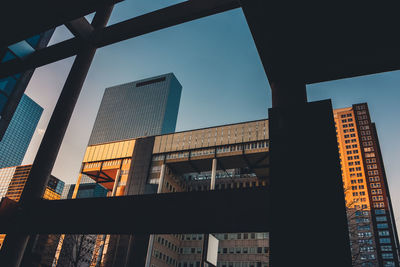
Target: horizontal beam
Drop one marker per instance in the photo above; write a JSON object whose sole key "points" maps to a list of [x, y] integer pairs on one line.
{"points": [[22, 19], [157, 20], [161, 19], [351, 66], [241, 210]]}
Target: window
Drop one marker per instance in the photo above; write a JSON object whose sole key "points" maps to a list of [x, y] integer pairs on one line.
{"points": [[382, 225], [387, 256], [381, 219], [385, 240], [379, 211], [383, 233], [386, 248]]}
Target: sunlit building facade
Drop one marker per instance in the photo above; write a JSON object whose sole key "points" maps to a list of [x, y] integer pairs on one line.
{"points": [[13, 180], [131, 167], [141, 108], [19, 133], [373, 231]]}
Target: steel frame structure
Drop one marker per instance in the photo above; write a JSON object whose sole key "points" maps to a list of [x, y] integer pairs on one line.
{"points": [[294, 52]]}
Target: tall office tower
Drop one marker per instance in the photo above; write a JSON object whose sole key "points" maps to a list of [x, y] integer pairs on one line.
{"points": [[13, 180], [13, 87], [19, 133], [142, 108], [373, 231]]}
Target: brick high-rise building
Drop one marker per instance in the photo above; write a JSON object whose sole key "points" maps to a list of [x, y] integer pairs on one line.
{"points": [[373, 231]]}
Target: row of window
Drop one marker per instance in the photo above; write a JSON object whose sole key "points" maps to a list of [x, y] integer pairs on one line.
{"points": [[348, 141], [348, 125], [210, 151], [351, 130], [161, 256], [346, 115], [379, 205], [357, 181], [354, 187], [349, 152], [354, 163], [355, 169], [243, 250], [375, 185], [347, 120], [167, 243]]}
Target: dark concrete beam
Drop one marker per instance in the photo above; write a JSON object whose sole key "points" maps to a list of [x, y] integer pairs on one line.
{"points": [[157, 20], [22, 19], [162, 18], [81, 28], [242, 210]]}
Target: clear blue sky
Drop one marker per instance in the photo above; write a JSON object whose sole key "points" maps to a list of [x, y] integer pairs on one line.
{"points": [[223, 81]]}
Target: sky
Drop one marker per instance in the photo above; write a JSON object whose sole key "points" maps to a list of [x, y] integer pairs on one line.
{"points": [[223, 81]]}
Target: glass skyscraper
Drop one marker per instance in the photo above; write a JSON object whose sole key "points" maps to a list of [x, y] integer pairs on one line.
{"points": [[19, 133], [13, 87], [140, 108]]}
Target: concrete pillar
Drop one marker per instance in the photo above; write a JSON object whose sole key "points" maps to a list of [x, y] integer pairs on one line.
{"points": [[288, 93], [76, 188], [161, 180], [151, 238], [116, 182], [15, 244], [213, 173]]}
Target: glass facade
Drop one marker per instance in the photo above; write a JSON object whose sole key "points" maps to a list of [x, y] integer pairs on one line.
{"points": [[12, 87], [87, 189], [142, 108], [19, 133]]}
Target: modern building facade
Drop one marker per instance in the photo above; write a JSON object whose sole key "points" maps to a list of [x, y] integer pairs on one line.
{"points": [[142, 108], [12, 88], [373, 231], [182, 162], [19, 133], [88, 188], [233, 157]]}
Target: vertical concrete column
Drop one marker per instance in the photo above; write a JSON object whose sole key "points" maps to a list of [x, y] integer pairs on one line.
{"points": [[103, 238], [151, 238], [76, 188], [15, 244], [213, 173], [116, 182], [161, 180]]}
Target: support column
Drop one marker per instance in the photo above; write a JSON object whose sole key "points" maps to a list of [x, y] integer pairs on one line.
{"points": [[161, 180], [288, 93], [76, 188], [151, 238], [15, 244], [103, 238], [116, 182], [213, 173], [307, 198]]}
